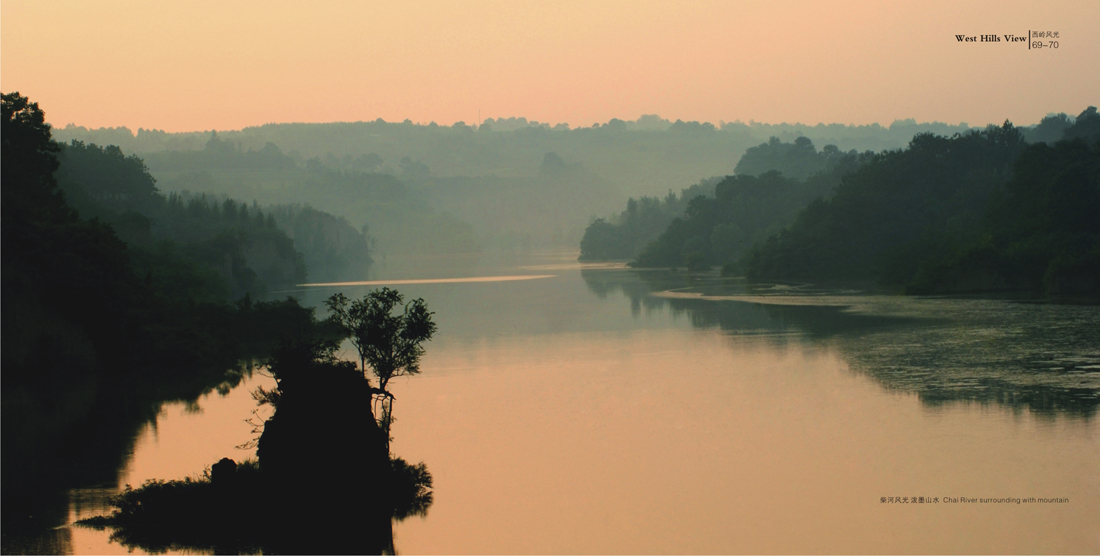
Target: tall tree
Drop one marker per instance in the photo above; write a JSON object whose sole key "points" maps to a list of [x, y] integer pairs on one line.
{"points": [[30, 192], [389, 343]]}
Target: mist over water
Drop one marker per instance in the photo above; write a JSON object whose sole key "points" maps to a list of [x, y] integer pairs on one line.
{"points": [[609, 410]]}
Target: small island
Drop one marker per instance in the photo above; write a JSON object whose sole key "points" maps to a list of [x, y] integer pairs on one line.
{"points": [[324, 479]]}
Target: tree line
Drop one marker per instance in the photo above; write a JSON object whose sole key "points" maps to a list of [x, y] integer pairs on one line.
{"points": [[984, 210], [717, 221], [117, 298]]}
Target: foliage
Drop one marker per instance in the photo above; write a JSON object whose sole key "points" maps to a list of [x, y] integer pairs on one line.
{"points": [[485, 189], [412, 489], [245, 245], [201, 513], [223, 154], [981, 211], [303, 198], [332, 249], [641, 156], [643, 220], [1040, 233], [98, 331], [30, 159], [59, 273], [798, 160], [745, 209], [302, 356], [109, 178], [513, 184], [717, 230], [390, 344], [102, 182], [323, 405], [1086, 126], [890, 214], [1051, 129], [178, 235]]}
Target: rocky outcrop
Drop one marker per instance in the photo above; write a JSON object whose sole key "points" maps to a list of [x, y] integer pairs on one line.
{"points": [[326, 463]]}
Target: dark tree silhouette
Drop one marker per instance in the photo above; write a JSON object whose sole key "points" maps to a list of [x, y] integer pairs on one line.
{"points": [[389, 344], [29, 161]]}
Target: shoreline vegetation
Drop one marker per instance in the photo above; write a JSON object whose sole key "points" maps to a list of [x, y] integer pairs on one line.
{"points": [[119, 299], [324, 478], [998, 210], [506, 184]]}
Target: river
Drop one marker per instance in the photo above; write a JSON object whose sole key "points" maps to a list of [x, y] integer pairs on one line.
{"points": [[568, 408]]}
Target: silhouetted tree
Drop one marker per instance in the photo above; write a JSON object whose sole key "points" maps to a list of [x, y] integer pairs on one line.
{"points": [[1086, 126], [1050, 130], [30, 159], [389, 344]]}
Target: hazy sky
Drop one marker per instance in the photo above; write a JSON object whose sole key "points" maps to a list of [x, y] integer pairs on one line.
{"points": [[199, 65]]}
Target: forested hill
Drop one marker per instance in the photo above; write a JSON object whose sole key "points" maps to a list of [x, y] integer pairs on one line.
{"points": [[981, 211], [720, 231], [718, 220], [643, 157], [1000, 209], [798, 160], [624, 236], [117, 298], [459, 188], [745, 210], [253, 251]]}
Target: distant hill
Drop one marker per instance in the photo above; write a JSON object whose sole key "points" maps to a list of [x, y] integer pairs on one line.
{"points": [[981, 211], [647, 156]]}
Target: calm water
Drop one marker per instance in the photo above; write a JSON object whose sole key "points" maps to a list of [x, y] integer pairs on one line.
{"points": [[570, 409]]}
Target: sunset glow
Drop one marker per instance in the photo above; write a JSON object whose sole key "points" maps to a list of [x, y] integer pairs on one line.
{"points": [[206, 65]]}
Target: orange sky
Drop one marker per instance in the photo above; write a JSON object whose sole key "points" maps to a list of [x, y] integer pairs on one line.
{"points": [[201, 65]]}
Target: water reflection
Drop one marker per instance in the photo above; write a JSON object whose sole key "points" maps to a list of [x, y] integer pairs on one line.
{"points": [[465, 280], [1041, 357], [711, 417], [52, 478]]}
